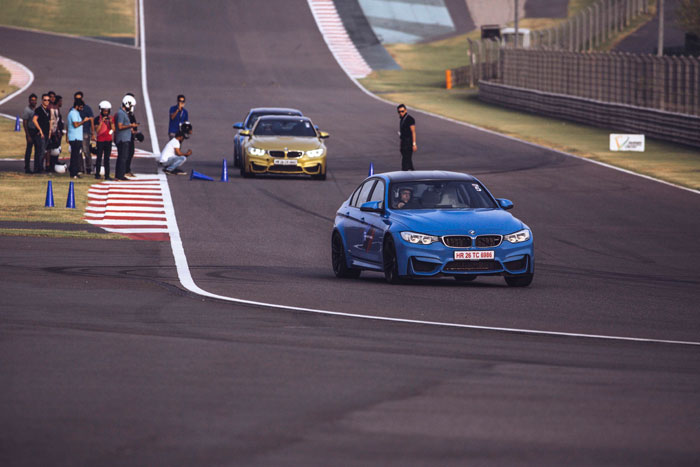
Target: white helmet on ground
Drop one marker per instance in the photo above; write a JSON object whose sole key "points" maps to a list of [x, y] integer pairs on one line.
{"points": [[129, 102], [60, 168], [105, 105]]}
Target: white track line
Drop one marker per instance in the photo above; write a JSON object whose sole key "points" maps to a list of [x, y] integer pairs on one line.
{"points": [[185, 276]]}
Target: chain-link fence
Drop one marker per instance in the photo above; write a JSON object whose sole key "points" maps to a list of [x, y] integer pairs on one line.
{"points": [[664, 83], [591, 27]]}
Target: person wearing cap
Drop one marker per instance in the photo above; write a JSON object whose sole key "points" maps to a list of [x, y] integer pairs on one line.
{"points": [[75, 136], [171, 157], [88, 132], [104, 123]]}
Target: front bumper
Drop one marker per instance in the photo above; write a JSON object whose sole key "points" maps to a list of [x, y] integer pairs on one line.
{"points": [[303, 165], [438, 259]]}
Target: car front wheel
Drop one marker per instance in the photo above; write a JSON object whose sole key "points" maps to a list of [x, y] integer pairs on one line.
{"points": [[520, 280], [340, 263], [244, 172], [391, 264]]}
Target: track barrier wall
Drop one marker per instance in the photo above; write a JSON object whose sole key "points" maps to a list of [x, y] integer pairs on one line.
{"points": [[668, 126]]}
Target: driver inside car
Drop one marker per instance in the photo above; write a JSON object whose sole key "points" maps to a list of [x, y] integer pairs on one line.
{"points": [[406, 200]]}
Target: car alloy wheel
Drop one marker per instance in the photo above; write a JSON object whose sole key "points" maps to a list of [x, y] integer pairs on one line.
{"points": [[340, 263]]}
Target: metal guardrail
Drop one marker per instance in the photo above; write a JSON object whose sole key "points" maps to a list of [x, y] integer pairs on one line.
{"points": [[654, 123]]}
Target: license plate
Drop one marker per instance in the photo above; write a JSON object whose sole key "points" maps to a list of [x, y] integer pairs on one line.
{"points": [[474, 255], [285, 162]]}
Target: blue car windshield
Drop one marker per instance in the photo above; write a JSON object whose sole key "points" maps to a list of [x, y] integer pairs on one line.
{"points": [[284, 127], [440, 194]]}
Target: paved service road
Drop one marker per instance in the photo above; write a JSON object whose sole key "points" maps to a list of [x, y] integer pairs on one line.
{"points": [[107, 361]]}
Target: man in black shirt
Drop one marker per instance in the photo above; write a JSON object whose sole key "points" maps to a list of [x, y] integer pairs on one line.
{"points": [[407, 135], [42, 122]]}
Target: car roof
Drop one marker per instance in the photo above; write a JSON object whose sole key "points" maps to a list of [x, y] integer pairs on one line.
{"points": [[274, 110], [294, 118], [416, 175]]}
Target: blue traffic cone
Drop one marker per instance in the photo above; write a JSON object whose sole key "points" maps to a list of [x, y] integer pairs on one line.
{"points": [[49, 196], [371, 169], [198, 176], [70, 202], [224, 172], [17, 126]]}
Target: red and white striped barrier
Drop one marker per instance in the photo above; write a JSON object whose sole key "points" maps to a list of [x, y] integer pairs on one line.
{"points": [[335, 35], [133, 208]]}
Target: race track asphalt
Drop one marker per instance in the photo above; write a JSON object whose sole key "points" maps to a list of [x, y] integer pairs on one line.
{"points": [[106, 360]]}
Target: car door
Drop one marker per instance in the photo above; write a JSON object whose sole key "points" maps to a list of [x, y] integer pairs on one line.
{"points": [[373, 226], [355, 228]]}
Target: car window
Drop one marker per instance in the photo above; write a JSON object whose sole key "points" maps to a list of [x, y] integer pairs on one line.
{"points": [[440, 194], [364, 193], [355, 194], [284, 127], [253, 117], [378, 193]]}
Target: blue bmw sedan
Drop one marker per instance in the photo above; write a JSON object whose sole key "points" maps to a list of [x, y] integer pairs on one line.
{"points": [[430, 223]]}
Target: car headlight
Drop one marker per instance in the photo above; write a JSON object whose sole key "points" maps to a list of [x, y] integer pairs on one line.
{"points": [[517, 237], [256, 151], [412, 237], [315, 152]]}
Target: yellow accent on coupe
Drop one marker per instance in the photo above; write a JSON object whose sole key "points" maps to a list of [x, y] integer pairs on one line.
{"points": [[283, 145]]}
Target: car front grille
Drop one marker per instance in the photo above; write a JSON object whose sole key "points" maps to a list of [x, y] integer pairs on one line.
{"points": [[285, 168], [280, 154], [457, 241], [479, 265], [488, 241]]}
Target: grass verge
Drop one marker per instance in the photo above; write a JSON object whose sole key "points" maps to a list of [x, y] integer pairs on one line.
{"points": [[22, 198], [88, 18], [5, 88], [48, 233], [420, 84]]}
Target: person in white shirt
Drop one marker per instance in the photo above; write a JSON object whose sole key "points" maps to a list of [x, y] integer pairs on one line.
{"points": [[171, 157]]}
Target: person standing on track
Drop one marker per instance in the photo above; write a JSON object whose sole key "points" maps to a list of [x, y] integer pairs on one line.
{"points": [[29, 129], [42, 122], [123, 128], [75, 136], [178, 115], [88, 131], [407, 137], [104, 124]]}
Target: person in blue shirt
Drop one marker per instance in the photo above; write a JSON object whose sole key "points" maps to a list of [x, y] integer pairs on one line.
{"points": [[178, 116], [75, 136]]}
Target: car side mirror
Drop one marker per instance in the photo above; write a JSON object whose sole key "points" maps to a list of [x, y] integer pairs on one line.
{"points": [[238, 126], [372, 206], [505, 203], [323, 135], [245, 133]]}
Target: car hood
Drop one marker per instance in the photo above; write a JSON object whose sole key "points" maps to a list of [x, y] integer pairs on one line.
{"points": [[279, 143], [457, 221]]}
